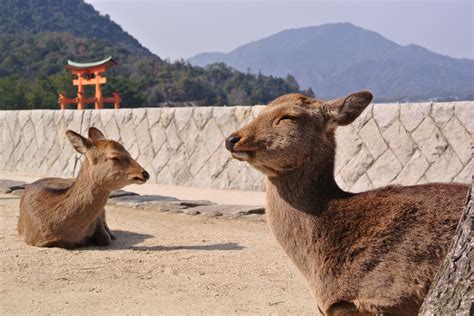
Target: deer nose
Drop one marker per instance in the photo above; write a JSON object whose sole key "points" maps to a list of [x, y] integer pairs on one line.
{"points": [[231, 141], [146, 175]]}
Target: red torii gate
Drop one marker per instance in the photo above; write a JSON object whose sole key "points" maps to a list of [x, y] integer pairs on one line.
{"points": [[89, 74]]}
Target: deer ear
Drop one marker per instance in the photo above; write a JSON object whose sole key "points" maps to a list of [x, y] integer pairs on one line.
{"points": [[95, 134], [345, 110], [80, 143]]}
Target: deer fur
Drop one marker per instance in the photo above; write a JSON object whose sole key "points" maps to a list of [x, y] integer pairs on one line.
{"points": [[368, 253], [69, 213]]}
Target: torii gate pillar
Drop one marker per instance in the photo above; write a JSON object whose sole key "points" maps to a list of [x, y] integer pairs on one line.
{"points": [[89, 74]]}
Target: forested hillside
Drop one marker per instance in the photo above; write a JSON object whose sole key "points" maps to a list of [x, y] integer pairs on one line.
{"points": [[37, 37]]}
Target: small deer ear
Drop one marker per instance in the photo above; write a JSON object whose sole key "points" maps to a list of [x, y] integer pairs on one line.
{"points": [[345, 110], [80, 143], [95, 134]]}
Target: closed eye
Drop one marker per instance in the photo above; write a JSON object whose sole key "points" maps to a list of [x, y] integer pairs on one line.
{"points": [[115, 159], [287, 117]]}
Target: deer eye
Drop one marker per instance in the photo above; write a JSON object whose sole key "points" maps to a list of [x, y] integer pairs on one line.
{"points": [[115, 159], [287, 117]]}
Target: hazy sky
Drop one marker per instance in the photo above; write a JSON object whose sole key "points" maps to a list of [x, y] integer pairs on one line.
{"points": [[183, 28]]}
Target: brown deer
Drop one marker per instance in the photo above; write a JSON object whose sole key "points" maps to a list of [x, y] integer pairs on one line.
{"points": [[362, 254], [69, 213]]}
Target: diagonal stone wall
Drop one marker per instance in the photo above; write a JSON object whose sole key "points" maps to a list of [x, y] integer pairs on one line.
{"points": [[406, 144], [388, 143]]}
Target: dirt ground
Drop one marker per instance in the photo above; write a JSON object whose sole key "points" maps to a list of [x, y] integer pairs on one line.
{"points": [[161, 263]]}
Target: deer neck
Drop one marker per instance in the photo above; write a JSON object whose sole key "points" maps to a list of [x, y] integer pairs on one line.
{"points": [[305, 190], [296, 202], [86, 197], [296, 205]]}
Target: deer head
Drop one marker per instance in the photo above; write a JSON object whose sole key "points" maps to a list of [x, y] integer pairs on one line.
{"points": [[295, 131], [106, 161]]}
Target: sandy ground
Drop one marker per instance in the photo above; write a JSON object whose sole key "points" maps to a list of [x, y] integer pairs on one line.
{"points": [[180, 192], [161, 263]]}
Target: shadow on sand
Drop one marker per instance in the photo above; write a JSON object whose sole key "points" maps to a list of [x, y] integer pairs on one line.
{"points": [[223, 246], [129, 240]]}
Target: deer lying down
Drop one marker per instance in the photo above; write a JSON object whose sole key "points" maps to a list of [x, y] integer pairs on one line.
{"points": [[367, 253], [67, 213]]}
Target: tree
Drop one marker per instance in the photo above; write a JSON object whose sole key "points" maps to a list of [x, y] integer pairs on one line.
{"points": [[12, 94], [451, 292]]}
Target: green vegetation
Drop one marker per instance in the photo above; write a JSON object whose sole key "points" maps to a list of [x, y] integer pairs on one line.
{"points": [[37, 37]]}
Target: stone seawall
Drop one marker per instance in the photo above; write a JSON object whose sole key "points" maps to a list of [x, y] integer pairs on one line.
{"points": [[387, 144]]}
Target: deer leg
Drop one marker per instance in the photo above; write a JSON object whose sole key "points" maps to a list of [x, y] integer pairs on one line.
{"points": [[102, 215], [112, 236], [344, 308], [101, 237]]}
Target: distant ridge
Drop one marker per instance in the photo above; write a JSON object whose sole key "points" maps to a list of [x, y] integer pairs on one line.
{"points": [[334, 59]]}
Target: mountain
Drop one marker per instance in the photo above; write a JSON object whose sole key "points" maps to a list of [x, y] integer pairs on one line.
{"points": [[334, 59], [37, 37], [74, 17]]}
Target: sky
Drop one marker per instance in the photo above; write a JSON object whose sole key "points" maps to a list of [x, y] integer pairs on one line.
{"points": [[182, 28]]}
